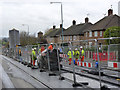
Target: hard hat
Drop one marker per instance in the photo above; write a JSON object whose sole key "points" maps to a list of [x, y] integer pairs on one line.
{"points": [[69, 48], [32, 48], [51, 43], [76, 49], [81, 47]]}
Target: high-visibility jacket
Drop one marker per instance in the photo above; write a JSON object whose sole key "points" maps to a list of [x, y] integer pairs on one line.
{"points": [[82, 53], [33, 55], [70, 54], [39, 51], [76, 54], [50, 47], [19, 52]]}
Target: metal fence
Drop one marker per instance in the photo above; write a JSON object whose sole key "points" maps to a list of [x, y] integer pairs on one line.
{"points": [[104, 55]]}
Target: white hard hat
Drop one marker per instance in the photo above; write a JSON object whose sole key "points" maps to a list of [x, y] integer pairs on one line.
{"points": [[76, 49], [32, 48], [69, 48], [51, 43], [81, 47]]}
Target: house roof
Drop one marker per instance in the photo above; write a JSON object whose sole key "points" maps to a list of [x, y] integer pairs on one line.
{"points": [[77, 29], [54, 32], [105, 23], [40, 32]]}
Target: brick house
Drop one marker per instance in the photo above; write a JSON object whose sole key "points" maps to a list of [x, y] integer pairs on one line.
{"points": [[54, 34], [97, 30], [75, 31]]}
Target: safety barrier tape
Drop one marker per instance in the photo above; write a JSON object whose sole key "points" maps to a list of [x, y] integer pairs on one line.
{"points": [[63, 55], [84, 64]]}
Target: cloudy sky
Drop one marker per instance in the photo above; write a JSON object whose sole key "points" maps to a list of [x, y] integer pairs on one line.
{"points": [[40, 15]]}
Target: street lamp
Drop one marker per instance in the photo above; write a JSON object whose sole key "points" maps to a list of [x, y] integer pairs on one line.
{"points": [[28, 30], [61, 17]]}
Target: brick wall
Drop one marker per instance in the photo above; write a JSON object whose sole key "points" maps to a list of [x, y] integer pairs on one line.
{"points": [[93, 36]]}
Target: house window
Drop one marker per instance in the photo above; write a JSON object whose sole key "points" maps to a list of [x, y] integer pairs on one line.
{"points": [[63, 38], [71, 38], [90, 44], [74, 37], [95, 34], [60, 38], [86, 34], [90, 33], [100, 33]]}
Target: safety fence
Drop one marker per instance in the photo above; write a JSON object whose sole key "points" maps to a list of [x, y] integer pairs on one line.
{"points": [[93, 55]]}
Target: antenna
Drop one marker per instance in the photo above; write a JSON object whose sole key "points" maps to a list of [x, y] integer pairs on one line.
{"points": [[104, 14], [111, 6], [88, 14]]}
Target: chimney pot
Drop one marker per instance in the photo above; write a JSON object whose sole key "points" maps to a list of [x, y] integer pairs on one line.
{"points": [[74, 22], [60, 25], [54, 27], [110, 12], [86, 20]]}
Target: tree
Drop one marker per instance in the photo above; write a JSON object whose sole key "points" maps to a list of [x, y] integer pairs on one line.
{"points": [[25, 39], [112, 32]]}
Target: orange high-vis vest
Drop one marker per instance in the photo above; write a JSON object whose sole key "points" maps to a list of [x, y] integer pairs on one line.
{"points": [[50, 47]]}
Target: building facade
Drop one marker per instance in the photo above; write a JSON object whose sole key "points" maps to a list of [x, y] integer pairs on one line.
{"points": [[14, 38], [97, 30]]}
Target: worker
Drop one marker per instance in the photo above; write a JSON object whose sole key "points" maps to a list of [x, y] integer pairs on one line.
{"points": [[34, 56], [39, 51], [82, 53], [20, 54], [76, 55], [42, 48], [51, 47], [70, 55]]}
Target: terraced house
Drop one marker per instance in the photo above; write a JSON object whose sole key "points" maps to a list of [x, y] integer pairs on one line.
{"points": [[54, 34], [75, 31], [84, 31], [97, 29]]}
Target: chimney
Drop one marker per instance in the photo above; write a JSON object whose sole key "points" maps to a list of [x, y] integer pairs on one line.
{"points": [[110, 12], [86, 20], [74, 22], [60, 25], [53, 26]]}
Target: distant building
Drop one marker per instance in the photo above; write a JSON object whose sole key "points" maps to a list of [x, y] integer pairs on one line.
{"points": [[40, 34], [119, 8], [14, 38], [53, 34]]}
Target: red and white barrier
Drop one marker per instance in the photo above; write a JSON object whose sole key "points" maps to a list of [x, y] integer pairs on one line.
{"points": [[63, 55], [113, 64], [84, 64]]}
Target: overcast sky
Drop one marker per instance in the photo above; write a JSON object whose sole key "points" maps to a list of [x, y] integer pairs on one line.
{"points": [[40, 15]]}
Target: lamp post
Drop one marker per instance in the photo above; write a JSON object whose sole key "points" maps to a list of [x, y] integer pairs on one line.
{"points": [[28, 30], [61, 17]]}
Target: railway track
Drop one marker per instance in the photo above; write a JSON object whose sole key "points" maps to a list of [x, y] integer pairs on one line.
{"points": [[105, 78]]}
